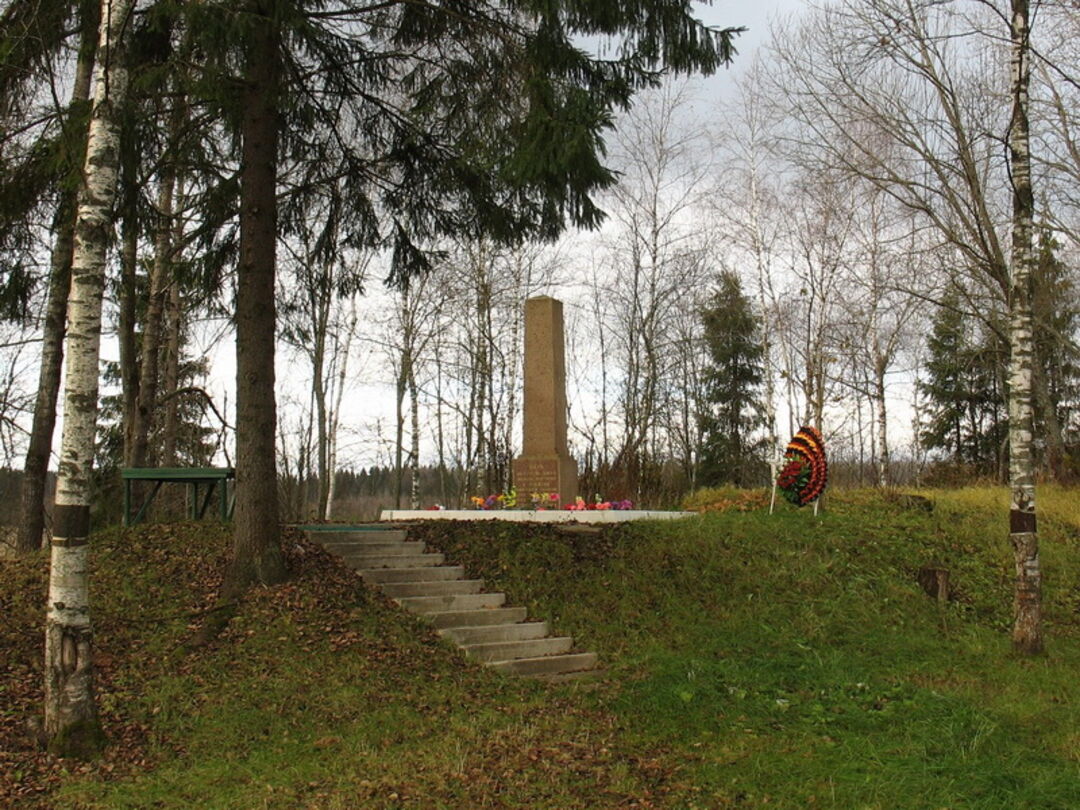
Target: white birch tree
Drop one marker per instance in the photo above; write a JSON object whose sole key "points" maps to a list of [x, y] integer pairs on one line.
{"points": [[755, 225], [1027, 622], [72, 725]]}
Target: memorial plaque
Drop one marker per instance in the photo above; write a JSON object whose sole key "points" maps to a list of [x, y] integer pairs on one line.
{"points": [[536, 475]]}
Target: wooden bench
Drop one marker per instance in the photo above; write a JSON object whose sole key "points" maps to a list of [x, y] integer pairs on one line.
{"points": [[194, 477]]}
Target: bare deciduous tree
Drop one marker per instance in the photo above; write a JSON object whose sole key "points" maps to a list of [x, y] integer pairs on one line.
{"points": [[929, 79]]}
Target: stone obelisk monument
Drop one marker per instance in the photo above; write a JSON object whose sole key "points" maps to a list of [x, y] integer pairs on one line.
{"points": [[545, 464]]}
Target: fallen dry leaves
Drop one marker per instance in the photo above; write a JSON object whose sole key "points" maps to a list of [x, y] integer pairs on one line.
{"points": [[183, 564], [174, 573]]}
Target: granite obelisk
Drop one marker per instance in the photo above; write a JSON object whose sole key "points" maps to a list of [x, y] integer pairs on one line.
{"points": [[545, 464]]}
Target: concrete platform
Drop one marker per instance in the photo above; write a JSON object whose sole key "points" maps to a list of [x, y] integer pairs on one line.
{"points": [[531, 516]]}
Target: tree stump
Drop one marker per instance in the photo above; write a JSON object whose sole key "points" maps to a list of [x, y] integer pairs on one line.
{"points": [[935, 581]]}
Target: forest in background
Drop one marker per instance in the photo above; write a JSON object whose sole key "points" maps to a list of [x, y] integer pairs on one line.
{"points": [[827, 246]]}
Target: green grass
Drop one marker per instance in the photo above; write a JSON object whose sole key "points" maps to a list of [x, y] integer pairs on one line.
{"points": [[752, 661]]}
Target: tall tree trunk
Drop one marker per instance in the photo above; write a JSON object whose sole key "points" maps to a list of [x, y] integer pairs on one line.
{"points": [[174, 327], [36, 470], [1052, 432], [321, 298], [764, 279], [605, 436], [514, 364], [916, 422], [859, 439], [335, 417], [72, 724], [494, 462], [170, 381], [1027, 624], [128, 295], [150, 356], [440, 441], [482, 380], [256, 552], [414, 443], [882, 421], [399, 433]]}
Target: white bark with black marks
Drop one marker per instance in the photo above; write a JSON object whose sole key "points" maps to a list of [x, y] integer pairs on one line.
{"points": [[1027, 623], [35, 471], [72, 726]]}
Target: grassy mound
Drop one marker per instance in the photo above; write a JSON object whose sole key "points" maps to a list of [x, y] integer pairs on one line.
{"points": [[752, 661]]}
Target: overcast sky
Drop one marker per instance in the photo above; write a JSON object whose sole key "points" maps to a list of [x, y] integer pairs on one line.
{"points": [[755, 17]]}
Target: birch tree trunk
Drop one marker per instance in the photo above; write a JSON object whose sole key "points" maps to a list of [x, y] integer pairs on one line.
{"points": [[171, 379], [440, 438], [72, 724], [399, 420], [320, 298], [1027, 623], [36, 469], [764, 279], [335, 417], [174, 305], [882, 435], [512, 362], [414, 441]]}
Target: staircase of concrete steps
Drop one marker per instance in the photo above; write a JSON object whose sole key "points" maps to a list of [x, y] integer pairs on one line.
{"points": [[460, 610]]}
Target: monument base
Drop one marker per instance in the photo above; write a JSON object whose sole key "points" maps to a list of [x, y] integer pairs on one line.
{"points": [[548, 474], [526, 515]]}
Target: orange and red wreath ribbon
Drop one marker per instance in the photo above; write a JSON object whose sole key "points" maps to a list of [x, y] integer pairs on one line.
{"points": [[805, 472]]}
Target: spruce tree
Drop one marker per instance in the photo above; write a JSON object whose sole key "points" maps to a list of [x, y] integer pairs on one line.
{"points": [[964, 389], [443, 119], [731, 453], [1057, 368], [947, 386]]}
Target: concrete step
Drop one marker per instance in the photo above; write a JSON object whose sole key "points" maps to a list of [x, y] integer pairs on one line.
{"points": [[441, 604], [529, 649], [366, 561], [577, 675], [383, 549], [440, 588], [546, 665], [491, 634], [476, 618], [430, 574], [477, 622], [357, 535], [366, 539]]}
